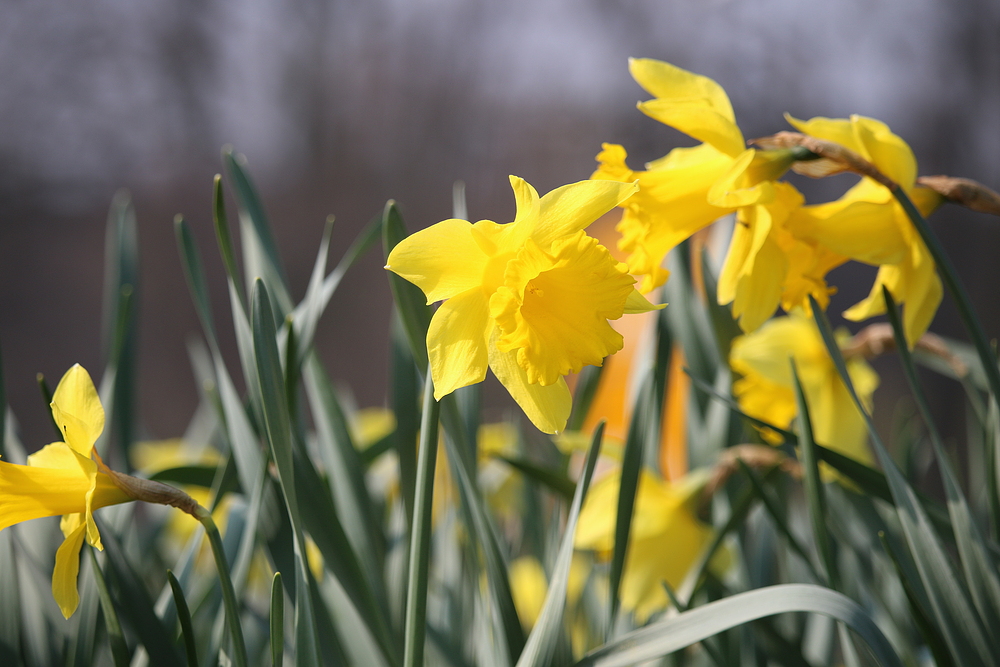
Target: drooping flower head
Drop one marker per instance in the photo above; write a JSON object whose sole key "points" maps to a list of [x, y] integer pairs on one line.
{"points": [[530, 299], [62, 478], [868, 225], [766, 390]]}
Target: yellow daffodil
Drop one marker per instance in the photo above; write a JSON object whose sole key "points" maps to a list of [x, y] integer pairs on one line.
{"points": [[689, 188], [528, 587], [868, 225], [666, 537], [63, 479], [530, 299], [766, 391]]}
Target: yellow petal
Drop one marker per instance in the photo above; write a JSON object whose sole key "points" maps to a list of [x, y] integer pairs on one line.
{"points": [[666, 81], [67, 567], [28, 492], [861, 230], [758, 292], [568, 209], [670, 206], [547, 407], [528, 587], [694, 118], [443, 260], [76, 409], [748, 180], [456, 342]]}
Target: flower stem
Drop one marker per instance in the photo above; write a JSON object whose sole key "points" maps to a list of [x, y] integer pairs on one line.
{"points": [[228, 593], [420, 538]]}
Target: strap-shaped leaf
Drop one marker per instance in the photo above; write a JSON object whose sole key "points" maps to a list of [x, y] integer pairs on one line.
{"points": [[665, 637]]}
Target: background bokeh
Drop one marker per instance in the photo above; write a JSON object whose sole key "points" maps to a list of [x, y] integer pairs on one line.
{"points": [[341, 105]]}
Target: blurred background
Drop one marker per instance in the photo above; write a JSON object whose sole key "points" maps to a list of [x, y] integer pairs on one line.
{"points": [[339, 106]]}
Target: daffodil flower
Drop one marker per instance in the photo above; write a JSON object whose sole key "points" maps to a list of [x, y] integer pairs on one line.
{"points": [[665, 540], [68, 478], [529, 299], [62, 478], [686, 190], [868, 225], [765, 389]]}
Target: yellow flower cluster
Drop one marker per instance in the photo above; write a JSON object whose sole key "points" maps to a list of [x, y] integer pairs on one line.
{"points": [[781, 249]]}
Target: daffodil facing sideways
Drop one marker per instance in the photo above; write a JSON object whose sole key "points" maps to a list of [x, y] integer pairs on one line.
{"points": [[665, 540], [867, 224], [689, 188], [765, 390], [530, 299], [68, 478]]}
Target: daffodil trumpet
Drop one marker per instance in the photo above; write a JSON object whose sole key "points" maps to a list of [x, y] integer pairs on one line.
{"points": [[68, 478]]}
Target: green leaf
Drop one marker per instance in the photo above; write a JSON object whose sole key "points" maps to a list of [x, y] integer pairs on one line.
{"points": [[478, 521], [665, 637], [779, 520], [415, 631], [279, 436], [121, 283], [184, 617], [911, 585], [195, 276], [643, 421], [544, 637], [225, 240], [345, 472], [554, 480], [405, 401], [815, 498], [949, 276], [414, 313], [979, 567], [10, 602], [119, 650], [321, 290], [260, 253], [950, 600], [276, 621], [230, 602], [587, 383], [195, 475], [136, 603]]}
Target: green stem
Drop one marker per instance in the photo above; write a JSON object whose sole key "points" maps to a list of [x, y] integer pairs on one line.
{"points": [[228, 592], [420, 538]]}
